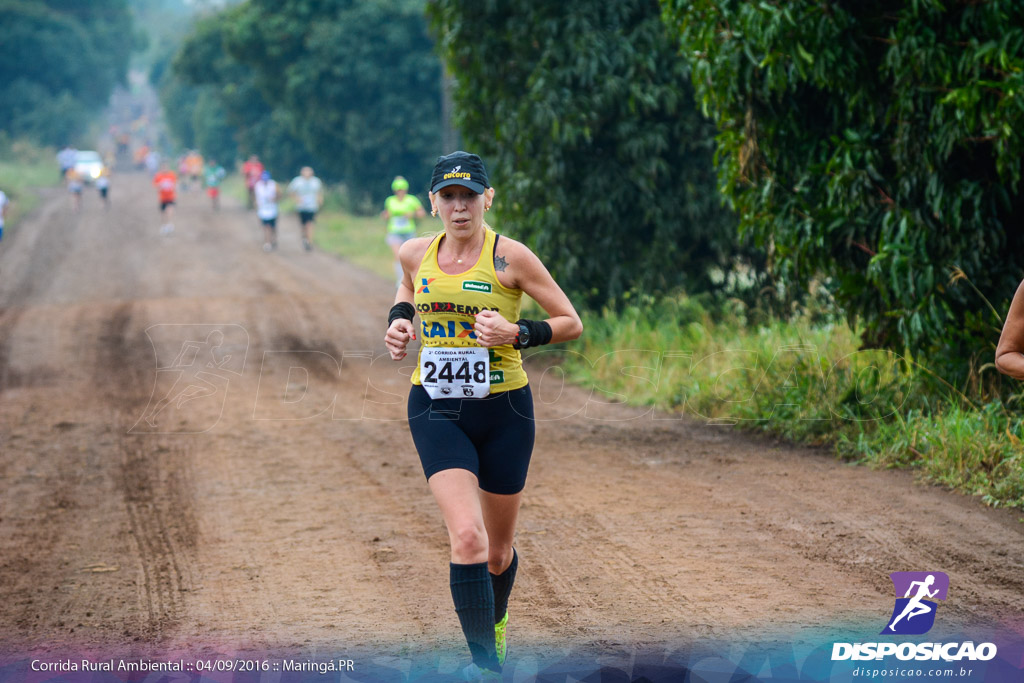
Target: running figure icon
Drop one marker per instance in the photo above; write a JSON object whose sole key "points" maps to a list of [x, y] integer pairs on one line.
{"points": [[196, 380], [915, 607], [917, 596], [198, 384]]}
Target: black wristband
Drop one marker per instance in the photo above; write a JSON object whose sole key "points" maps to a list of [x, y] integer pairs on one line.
{"points": [[540, 333], [403, 309]]}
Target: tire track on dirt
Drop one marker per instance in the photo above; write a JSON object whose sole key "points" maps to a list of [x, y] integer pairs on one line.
{"points": [[9, 377], [163, 529], [153, 477]]}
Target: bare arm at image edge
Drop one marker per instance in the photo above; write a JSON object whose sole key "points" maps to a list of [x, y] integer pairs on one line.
{"points": [[1010, 350]]}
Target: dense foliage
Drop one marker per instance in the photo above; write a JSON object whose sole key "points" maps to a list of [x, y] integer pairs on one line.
{"points": [[213, 103], [879, 144], [351, 87], [600, 157], [59, 62], [358, 79]]}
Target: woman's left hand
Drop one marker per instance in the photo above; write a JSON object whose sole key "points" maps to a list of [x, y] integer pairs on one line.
{"points": [[493, 330]]}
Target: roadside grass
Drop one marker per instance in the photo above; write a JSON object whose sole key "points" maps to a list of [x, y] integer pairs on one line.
{"points": [[233, 186], [806, 383], [358, 239], [23, 168]]}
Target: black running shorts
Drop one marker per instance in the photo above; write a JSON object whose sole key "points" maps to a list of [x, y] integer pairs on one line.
{"points": [[491, 437]]}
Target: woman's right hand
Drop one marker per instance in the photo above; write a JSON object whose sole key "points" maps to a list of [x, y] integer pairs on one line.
{"points": [[398, 336]]}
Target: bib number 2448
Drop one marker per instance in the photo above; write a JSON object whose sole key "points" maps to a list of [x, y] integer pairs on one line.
{"points": [[455, 372]]}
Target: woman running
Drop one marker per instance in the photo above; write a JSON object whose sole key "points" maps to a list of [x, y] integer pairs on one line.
{"points": [[470, 408]]}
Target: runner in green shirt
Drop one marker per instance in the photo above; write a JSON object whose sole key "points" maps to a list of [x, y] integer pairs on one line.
{"points": [[213, 173], [401, 211]]}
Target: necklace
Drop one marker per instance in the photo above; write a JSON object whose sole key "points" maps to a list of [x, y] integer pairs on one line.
{"points": [[459, 260]]}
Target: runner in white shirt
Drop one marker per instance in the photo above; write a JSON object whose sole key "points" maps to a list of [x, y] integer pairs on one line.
{"points": [[308, 192], [66, 159], [266, 196]]}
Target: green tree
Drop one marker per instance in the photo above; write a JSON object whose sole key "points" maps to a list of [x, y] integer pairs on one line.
{"points": [[212, 102], [584, 111], [878, 144], [356, 81], [213, 134], [107, 25], [59, 62]]}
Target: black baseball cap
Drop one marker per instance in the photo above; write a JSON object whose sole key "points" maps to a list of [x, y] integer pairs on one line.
{"points": [[460, 168]]}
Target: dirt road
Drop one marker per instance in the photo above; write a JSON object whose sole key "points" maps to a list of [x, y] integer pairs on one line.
{"points": [[203, 450]]}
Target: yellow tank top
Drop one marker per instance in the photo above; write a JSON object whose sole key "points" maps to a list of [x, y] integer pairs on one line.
{"points": [[448, 305]]}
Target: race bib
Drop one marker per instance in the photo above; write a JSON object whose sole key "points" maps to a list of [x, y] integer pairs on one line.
{"points": [[400, 223], [447, 372]]}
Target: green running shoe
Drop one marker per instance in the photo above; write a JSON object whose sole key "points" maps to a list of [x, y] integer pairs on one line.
{"points": [[474, 674], [500, 646]]}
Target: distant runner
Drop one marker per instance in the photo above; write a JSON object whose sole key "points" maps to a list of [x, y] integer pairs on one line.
{"points": [[194, 167], [252, 169], [308, 192], [183, 173], [152, 161], [401, 211], [166, 184], [4, 204], [103, 186], [266, 193], [75, 185], [66, 159], [213, 174]]}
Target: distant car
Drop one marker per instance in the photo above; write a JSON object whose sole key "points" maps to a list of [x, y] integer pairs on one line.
{"points": [[89, 165]]}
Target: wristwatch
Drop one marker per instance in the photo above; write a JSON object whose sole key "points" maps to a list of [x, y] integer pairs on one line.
{"points": [[523, 338]]}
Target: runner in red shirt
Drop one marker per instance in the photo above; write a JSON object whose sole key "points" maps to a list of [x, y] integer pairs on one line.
{"points": [[166, 183], [252, 170]]}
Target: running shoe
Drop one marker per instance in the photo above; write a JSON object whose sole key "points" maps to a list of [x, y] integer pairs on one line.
{"points": [[474, 673], [268, 247], [500, 646], [307, 245]]}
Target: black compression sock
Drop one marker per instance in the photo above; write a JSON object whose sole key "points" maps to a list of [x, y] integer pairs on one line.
{"points": [[502, 584], [474, 603]]}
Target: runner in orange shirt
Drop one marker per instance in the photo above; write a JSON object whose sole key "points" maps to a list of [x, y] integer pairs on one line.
{"points": [[166, 183], [194, 164], [252, 169]]}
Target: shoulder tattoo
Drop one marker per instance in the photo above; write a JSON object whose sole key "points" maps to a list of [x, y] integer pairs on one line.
{"points": [[500, 263]]}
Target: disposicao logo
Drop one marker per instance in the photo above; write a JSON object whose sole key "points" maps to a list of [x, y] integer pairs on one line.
{"points": [[914, 614]]}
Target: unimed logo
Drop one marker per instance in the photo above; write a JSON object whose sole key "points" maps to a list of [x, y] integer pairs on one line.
{"points": [[913, 614], [476, 286]]}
